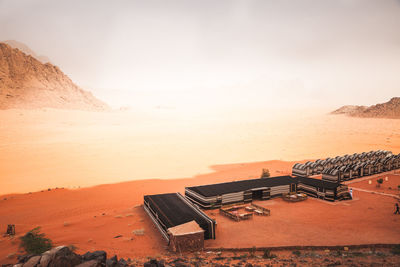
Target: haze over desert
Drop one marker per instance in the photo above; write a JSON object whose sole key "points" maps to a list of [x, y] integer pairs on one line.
{"points": [[50, 148], [199, 133]]}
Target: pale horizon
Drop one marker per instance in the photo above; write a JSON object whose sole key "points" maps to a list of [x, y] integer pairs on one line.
{"points": [[217, 55]]}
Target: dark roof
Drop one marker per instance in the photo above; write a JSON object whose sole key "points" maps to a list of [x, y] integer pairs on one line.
{"points": [[317, 182], [173, 210], [238, 186]]}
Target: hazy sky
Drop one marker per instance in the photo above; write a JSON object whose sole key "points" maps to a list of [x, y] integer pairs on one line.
{"points": [[217, 53]]}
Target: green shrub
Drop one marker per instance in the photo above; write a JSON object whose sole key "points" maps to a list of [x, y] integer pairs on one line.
{"points": [[35, 242]]}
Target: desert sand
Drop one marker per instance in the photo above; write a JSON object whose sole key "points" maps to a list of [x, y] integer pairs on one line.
{"points": [[49, 149], [57, 148], [91, 218]]}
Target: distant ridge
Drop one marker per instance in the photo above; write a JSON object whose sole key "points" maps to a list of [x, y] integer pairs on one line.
{"points": [[24, 48], [27, 83], [390, 110]]}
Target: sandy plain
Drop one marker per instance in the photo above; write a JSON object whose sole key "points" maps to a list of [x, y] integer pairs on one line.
{"points": [[47, 149]]}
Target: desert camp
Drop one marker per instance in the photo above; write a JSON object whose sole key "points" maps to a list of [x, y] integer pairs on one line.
{"points": [[169, 212]]}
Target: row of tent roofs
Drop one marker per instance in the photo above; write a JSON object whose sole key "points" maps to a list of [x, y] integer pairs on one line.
{"points": [[361, 169], [359, 163], [171, 210]]}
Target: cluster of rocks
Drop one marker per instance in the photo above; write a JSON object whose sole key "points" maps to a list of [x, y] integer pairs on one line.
{"points": [[63, 256]]}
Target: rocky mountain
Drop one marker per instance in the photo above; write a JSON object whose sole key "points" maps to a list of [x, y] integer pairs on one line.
{"points": [[390, 109], [24, 48], [25, 82]]}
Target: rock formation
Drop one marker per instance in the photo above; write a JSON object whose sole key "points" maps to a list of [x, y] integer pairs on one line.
{"points": [[390, 109], [24, 48], [63, 256], [27, 83]]}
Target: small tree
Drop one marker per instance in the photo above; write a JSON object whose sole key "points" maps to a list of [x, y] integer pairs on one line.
{"points": [[265, 173], [35, 242], [379, 182]]}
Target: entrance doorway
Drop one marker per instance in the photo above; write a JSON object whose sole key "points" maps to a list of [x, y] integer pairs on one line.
{"points": [[257, 194]]}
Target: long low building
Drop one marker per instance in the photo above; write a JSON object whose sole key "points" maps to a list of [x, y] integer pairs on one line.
{"points": [[322, 189], [244, 191], [170, 210]]}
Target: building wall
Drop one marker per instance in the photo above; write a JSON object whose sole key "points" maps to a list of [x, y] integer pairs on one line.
{"points": [[184, 243]]}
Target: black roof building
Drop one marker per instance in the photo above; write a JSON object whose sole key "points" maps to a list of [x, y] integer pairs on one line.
{"points": [[244, 191], [243, 185], [173, 209]]}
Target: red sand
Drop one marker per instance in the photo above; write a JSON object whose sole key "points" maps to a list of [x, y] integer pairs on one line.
{"points": [[368, 219], [82, 212], [76, 217], [388, 187]]}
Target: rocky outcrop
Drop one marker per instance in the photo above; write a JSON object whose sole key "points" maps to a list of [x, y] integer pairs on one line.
{"points": [[349, 110], [24, 48], [27, 83], [91, 263], [98, 255], [390, 109], [154, 263], [63, 256]]}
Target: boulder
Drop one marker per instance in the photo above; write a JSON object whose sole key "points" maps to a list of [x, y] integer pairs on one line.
{"points": [[112, 262], [45, 260], [91, 263], [25, 258], [154, 263], [32, 262], [98, 255], [63, 257], [122, 263]]}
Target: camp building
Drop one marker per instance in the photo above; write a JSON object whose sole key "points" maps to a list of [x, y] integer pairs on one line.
{"points": [[244, 191], [176, 217]]}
